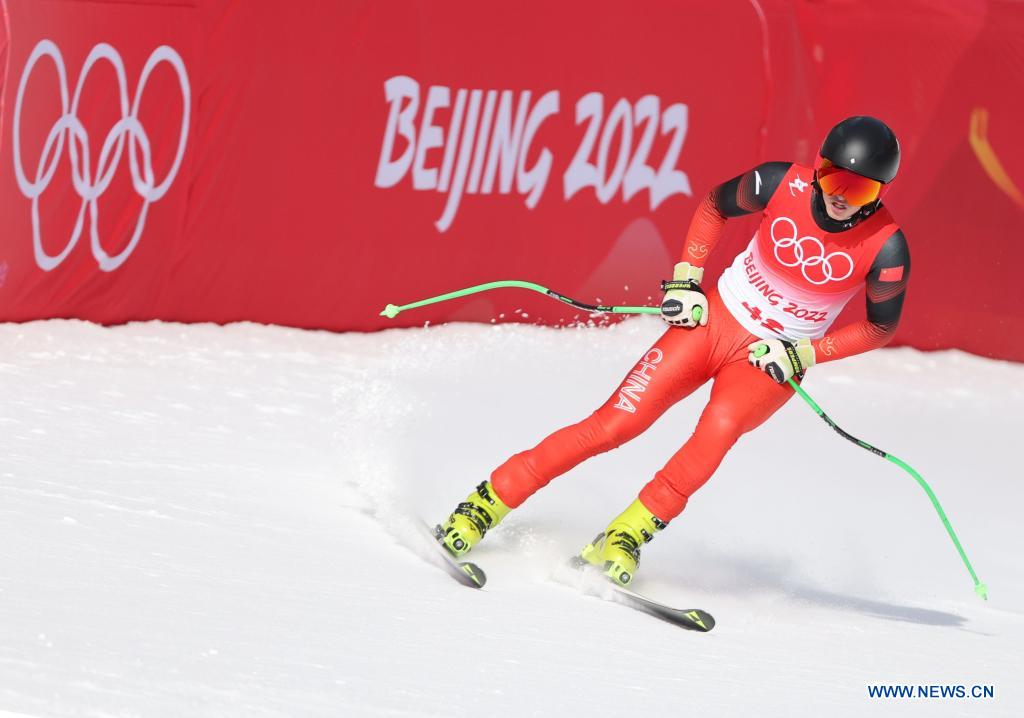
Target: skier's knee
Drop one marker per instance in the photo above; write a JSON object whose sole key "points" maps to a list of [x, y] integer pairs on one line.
{"points": [[608, 432], [722, 423]]}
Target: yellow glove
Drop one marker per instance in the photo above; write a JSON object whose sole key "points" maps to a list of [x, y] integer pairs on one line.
{"points": [[781, 359], [684, 304]]}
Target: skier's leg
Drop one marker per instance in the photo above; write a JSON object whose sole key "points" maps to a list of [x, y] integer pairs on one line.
{"points": [[675, 366], [741, 400]]}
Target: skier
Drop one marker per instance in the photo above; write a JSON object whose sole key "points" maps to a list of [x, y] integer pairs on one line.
{"points": [[824, 234]]}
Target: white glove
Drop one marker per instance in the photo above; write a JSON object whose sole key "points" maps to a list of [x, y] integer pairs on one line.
{"points": [[684, 304], [782, 359]]}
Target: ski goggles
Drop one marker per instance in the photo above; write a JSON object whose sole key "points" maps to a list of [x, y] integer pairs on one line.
{"points": [[856, 189]]}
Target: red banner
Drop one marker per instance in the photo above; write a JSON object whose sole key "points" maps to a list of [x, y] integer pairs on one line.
{"points": [[306, 165]]}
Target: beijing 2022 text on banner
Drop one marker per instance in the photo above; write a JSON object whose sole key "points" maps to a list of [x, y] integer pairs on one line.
{"points": [[305, 164]]}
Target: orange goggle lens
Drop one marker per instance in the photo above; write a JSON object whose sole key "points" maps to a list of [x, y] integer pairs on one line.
{"points": [[854, 188]]}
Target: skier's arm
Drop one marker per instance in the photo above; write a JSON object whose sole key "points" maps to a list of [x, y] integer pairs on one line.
{"points": [[745, 194], [886, 286]]}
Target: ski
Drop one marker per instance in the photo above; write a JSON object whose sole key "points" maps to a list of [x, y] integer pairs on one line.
{"points": [[693, 619], [465, 572]]}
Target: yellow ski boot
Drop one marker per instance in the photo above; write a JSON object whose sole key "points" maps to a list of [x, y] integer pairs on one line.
{"points": [[616, 551], [472, 519]]}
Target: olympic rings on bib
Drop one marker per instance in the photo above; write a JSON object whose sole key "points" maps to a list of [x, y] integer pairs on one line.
{"points": [[808, 253]]}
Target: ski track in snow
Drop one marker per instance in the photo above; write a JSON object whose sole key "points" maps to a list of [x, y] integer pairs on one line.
{"points": [[219, 521]]}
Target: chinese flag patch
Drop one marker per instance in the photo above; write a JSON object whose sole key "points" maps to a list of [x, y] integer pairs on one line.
{"points": [[891, 274]]}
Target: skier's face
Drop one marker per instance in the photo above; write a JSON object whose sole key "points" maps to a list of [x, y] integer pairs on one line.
{"points": [[838, 208]]}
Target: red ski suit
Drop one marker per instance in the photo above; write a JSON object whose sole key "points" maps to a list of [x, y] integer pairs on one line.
{"points": [[782, 286]]}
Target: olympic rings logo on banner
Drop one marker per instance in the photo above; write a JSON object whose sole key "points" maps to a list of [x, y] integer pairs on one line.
{"points": [[87, 186], [806, 260]]}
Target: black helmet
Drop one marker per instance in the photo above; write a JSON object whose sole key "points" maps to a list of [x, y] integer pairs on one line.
{"points": [[864, 145]]}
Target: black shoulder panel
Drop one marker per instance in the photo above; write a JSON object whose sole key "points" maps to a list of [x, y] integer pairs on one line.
{"points": [[750, 191]]}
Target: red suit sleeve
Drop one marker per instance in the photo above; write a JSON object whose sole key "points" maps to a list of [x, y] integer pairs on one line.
{"points": [[745, 194], [705, 229], [886, 286]]}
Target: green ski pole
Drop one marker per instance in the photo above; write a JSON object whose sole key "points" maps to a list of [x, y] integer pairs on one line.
{"points": [[979, 588], [391, 311]]}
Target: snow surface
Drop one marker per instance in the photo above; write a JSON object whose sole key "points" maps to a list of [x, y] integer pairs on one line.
{"points": [[220, 521]]}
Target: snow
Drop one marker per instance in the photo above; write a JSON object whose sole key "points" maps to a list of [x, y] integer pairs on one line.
{"points": [[221, 521]]}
